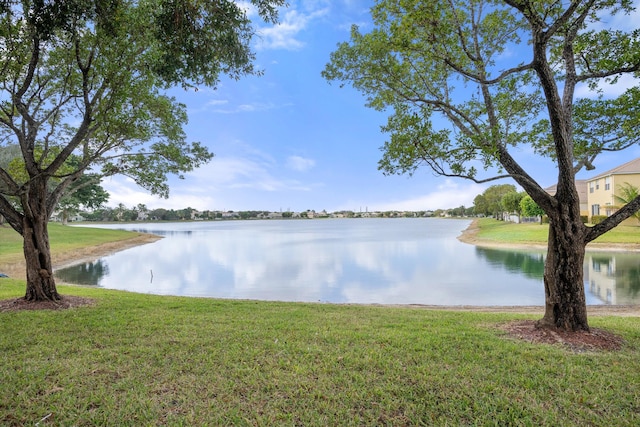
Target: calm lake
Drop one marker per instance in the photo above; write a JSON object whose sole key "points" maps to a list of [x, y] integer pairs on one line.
{"points": [[387, 261]]}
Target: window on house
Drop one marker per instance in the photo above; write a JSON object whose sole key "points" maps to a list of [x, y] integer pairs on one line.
{"points": [[591, 187], [597, 184], [595, 209], [607, 183]]}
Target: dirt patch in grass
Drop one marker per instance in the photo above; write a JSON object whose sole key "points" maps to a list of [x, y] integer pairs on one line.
{"points": [[67, 259], [63, 259], [579, 341], [66, 302]]}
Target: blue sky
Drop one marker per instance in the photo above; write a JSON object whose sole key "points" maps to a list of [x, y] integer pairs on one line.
{"points": [[289, 140]]}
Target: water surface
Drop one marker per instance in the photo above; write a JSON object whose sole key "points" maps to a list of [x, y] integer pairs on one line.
{"points": [[388, 261]]}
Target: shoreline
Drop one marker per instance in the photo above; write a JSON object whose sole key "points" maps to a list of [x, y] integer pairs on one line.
{"points": [[592, 310], [92, 253], [470, 236], [17, 270]]}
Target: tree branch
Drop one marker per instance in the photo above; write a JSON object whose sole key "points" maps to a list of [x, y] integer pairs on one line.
{"points": [[612, 221], [12, 186], [13, 217], [608, 73]]}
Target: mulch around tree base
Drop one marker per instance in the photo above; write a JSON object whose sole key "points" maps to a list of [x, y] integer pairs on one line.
{"points": [[66, 301], [579, 341]]}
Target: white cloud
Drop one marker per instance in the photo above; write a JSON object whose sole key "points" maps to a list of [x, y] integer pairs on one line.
{"points": [[230, 172], [300, 164], [243, 108], [608, 90], [125, 191], [448, 195], [620, 21], [284, 35], [218, 102], [223, 107], [253, 170], [248, 7]]}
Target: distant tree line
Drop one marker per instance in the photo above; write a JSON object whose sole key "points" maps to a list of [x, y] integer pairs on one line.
{"points": [[122, 213], [141, 212], [495, 201]]}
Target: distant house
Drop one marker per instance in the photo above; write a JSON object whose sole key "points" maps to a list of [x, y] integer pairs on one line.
{"points": [[597, 194], [59, 216], [602, 189], [230, 215], [581, 186]]}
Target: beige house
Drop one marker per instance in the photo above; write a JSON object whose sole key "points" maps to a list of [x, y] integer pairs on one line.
{"points": [[581, 186], [597, 194], [601, 189]]}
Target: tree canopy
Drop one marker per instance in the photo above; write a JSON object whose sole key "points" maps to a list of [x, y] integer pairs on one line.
{"points": [[86, 79], [511, 202], [490, 201], [471, 85], [530, 208]]}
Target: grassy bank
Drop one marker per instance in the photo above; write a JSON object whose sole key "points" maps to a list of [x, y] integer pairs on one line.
{"points": [[149, 360], [68, 245], [62, 239], [507, 232]]}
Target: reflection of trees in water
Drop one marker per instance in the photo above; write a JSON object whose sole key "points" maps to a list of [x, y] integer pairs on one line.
{"points": [[633, 281], [529, 264], [88, 273], [162, 232], [622, 268]]}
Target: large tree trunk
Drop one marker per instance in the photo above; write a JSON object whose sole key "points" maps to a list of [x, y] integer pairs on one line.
{"points": [[565, 303], [41, 285]]}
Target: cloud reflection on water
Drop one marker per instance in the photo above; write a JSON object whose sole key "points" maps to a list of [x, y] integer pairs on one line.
{"points": [[388, 261]]}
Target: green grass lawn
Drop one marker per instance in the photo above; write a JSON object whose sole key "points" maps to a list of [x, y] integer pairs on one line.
{"points": [[135, 359], [138, 360], [61, 238], [508, 232]]}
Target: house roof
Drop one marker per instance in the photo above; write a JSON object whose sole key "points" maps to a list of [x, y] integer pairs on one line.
{"points": [[631, 167], [581, 186]]}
